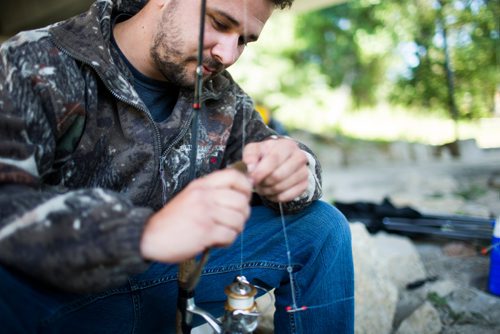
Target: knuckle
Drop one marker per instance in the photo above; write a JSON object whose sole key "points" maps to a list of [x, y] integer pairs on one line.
{"points": [[305, 173], [271, 180], [230, 236]]}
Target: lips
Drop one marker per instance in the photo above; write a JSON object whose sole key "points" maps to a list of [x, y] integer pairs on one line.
{"points": [[211, 66], [208, 70]]}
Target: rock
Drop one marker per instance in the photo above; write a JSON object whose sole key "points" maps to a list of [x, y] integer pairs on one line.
{"points": [[471, 305], [459, 249], [442, 288], [401, 151], [469, 151], [375, 294], [468, 329], [400, 258], [425, 320], [265, 304], [422, 153], [411, 174], [410, 300], [494, 180]]}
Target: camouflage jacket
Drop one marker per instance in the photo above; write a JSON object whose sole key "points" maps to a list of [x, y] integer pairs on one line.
{"points": [[83, 165]]}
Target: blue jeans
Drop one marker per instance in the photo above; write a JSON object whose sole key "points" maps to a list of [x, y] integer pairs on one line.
{"points": [[320, 245]]}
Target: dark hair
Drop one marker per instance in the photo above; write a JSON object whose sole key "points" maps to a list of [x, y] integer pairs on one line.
{"points": [[282, 4]]}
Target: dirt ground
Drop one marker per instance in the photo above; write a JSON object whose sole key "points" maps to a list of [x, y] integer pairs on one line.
{"points": [[451, 187], [468, 187]]}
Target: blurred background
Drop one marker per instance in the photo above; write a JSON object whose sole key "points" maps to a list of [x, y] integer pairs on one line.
{"points": [[416, 70], [400, 99]]}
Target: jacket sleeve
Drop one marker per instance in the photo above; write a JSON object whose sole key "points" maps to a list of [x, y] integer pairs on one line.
{"points": [[249, 126], [79, 240]]}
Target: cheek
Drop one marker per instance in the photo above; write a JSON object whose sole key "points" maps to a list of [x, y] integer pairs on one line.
{"points": [[209, 36]]}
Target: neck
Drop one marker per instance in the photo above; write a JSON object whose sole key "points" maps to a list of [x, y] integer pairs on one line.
{"points": [[134, 38]]}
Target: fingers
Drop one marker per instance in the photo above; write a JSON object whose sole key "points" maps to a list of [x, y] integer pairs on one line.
{"points": [[210, 211], [221, 236], [281, 172], [223, 198], [227, 178], [252, 153], [288, 188], [229, 209]]}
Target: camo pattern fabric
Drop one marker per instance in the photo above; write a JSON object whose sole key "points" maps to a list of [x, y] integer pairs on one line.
{"points": [[83, 165]]}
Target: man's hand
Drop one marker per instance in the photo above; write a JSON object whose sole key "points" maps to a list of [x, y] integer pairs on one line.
{"points": [[278, 168], [210, 211]]}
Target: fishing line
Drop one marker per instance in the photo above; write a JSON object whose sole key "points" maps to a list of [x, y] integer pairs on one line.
{"points": [[293, 308], [486, 250], [243, 141], [289, 268], [289, 309]]}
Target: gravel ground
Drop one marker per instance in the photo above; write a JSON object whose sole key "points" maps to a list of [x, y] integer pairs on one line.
{"points": [[450, 187]]}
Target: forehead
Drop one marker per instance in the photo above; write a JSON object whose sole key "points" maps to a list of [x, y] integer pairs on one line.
{"points": [[251, 14]]}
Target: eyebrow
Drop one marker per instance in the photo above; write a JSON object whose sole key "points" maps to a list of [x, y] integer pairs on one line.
{"points": [[234, 22]]}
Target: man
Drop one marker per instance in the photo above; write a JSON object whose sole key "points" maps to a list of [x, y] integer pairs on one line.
{"points": [[108, 181]]}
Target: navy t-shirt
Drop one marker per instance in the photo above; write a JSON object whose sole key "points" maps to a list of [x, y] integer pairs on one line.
{"points": [[159, 96]]}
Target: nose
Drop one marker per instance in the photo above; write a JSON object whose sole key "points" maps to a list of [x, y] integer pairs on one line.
{"points": [[226, 50]]}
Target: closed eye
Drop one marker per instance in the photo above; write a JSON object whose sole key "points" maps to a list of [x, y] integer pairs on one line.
{"points": [[219, 26], [224, 23]]}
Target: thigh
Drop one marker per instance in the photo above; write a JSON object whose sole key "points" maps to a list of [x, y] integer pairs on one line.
{"points": [[271, 241], [318, 242], [28, 306], [147, 303], [261, 254], [19, 312]]}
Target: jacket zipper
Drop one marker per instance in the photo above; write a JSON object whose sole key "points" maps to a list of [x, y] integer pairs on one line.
{"points": [[157, 140], [164, 153]]}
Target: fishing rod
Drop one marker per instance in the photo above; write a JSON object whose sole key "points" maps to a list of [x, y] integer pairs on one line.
{"points": [[240, 314], [190, 270], [240, 310], [386, 216]]}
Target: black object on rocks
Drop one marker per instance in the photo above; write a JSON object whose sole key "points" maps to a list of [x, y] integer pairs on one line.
{"points": [[406, 220]]}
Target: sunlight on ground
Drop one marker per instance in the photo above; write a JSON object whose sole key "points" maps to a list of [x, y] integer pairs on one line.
{"points": [[388, 124], [401, 125]]}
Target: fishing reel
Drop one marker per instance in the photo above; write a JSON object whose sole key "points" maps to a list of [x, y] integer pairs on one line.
{"points": [[241, 314], [240, 310]]}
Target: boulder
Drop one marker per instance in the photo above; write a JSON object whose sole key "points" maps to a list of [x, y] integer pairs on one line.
{"points": [[399, 259], [425, 320], [375, 294], [471, 305]]}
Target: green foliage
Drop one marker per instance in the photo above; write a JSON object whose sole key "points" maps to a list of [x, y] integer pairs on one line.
{"points": [[298, 94], [471, 192], [349, 44], [310, 69], [472, 38], [359, 43], [437, 300]]}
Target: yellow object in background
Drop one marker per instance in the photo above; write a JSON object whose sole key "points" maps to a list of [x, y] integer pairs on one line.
{"points": [[264, 113]]}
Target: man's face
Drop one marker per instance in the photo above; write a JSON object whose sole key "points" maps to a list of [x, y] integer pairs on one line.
{"points": [[229, 26]]}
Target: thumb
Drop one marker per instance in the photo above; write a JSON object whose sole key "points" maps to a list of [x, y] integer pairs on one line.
{"points": [[252, 154]]}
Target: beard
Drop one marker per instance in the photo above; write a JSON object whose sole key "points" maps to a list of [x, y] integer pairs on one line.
{"points": [[170, 63], [168, 57]]}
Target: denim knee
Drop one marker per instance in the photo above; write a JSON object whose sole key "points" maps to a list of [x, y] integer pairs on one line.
{"points": [[328, 221]]}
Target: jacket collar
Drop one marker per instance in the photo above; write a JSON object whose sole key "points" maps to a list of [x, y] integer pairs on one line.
{"points": [[86, 37]]}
